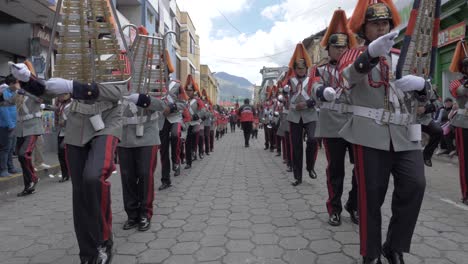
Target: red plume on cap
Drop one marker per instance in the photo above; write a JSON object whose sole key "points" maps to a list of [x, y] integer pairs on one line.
{"points": [[300, 54], [359, 16], [191, 81], [338, 24], [458, 56], [143, 31]]}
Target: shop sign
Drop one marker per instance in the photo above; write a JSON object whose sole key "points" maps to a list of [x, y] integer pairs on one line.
{"points": [[44, 36], [452, 34]]}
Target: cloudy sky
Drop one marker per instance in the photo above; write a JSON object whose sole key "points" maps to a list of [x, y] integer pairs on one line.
{"points": [[241, 36]]}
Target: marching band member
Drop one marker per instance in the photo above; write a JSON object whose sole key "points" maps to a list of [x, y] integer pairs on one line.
{"points": [[302, 114], [384, 133], [334, 112], [459, 90]]}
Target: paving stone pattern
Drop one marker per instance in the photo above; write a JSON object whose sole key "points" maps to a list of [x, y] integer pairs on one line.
{"points": [[234, 207]]}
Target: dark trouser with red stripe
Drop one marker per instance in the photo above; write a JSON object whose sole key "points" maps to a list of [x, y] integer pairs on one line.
{"points": [[233, 127], [247, 128], [336, 149], [137, 166], [90, 167], [201, 139], [24, 150], [296, 136], [266, 130], [212, 140], [169, 135], [61, 157], [461, 135], [373, 168], [206, 134], [189, 144], [288, 148], [435, 135], [278, 143], [272, 137]]}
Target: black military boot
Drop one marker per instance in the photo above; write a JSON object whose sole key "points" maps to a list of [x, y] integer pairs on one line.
{"points": [[312, 174], [393, 257], [367, 260], [176, 170], [129, 224], [334, 219], [144, 224], [353, 214], [105, 253]]}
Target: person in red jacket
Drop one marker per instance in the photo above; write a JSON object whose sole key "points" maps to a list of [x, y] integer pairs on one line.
{"points": [[246, 113]]}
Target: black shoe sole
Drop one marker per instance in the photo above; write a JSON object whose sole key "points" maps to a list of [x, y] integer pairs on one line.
{"points": [[162, 188], [130, 227], [145, 228]]}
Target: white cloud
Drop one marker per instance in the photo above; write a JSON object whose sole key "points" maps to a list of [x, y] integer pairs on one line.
{"points": [[271, 12], [244, 55]]}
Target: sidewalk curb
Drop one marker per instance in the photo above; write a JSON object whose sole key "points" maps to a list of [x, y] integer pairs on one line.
{"points": [[15, 180]]}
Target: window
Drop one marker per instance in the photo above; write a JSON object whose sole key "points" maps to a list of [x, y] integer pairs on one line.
{"points": [[192, 45], [178, 69], [177, 31], [192, 71], [150, 17]]}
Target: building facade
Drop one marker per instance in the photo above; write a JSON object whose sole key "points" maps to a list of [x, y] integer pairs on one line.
{"points": [[209, 82]]}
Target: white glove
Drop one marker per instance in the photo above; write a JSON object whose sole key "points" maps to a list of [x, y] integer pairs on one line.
{"points": [[286, 89], [132, 98], [42, 106], [329, 94], [20, 71], [58, 86], [410, 83], [382, 45]]}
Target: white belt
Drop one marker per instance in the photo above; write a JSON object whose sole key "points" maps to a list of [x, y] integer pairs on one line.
{"points": [[136, 120], [30, 116], [382, 116], [462, 112], [340, 108], [90, 109]]}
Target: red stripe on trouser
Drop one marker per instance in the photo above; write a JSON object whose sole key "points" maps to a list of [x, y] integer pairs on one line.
{"points": [[461, 160], [316, 151], [178, 145], [28, 157], [362, 197], [109, 166], [150, 191], [331, 193]]}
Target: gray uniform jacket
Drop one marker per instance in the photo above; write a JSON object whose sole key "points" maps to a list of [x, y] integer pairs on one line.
{"points": [[299, 93], [193, 105], [461, 118], [79, 130], [29, 117], [370, 132], [134, 116], [333, 115]]}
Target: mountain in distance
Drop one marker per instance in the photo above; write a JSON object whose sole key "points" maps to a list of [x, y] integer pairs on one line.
{"points": [[233, 87]]}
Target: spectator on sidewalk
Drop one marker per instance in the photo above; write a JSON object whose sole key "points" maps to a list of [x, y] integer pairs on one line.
{"points": [[446, 144], [7, 126]]}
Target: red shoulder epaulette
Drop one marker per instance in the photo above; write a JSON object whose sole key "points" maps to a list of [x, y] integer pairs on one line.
{"points": [[349, 57], [454, 87]]}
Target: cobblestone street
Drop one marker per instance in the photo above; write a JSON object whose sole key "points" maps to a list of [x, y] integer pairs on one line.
{"points": [[235, 206]]}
